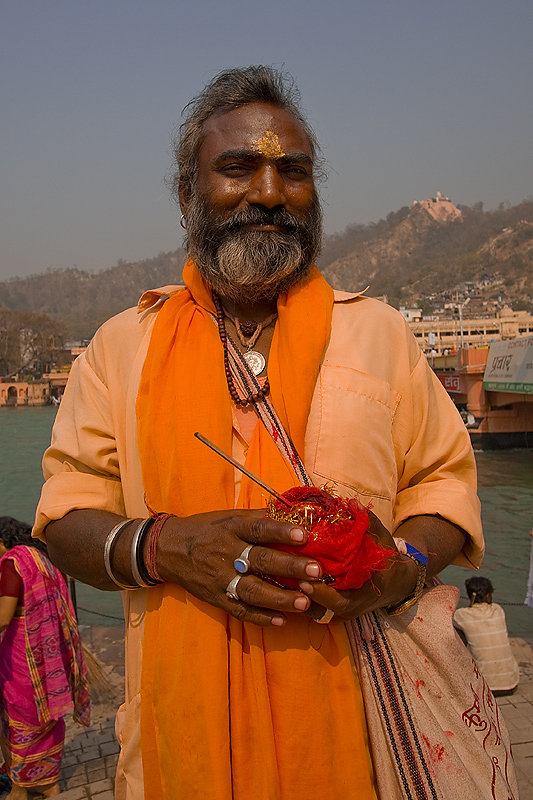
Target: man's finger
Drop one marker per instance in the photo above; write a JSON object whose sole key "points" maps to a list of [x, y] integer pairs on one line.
{"points": [[258, 616], [269, 561], [346, 605], [263, 530], [257, 593]]}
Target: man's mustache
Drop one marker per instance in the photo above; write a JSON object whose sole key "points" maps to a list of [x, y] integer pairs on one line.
{"points": [[260, 216]]}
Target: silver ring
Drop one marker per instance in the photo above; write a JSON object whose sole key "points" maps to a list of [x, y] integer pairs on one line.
{"points": [[242, 563], [326, 617], [231, 588]]}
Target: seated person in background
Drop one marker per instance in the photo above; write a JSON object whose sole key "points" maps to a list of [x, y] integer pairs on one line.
{"points": [[485, 630]]}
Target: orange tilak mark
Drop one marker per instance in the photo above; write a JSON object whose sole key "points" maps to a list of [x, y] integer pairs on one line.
{"points": [[268, 145]]}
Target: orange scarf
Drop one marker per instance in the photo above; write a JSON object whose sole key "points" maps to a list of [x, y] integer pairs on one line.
{"points": [[231, 710]]}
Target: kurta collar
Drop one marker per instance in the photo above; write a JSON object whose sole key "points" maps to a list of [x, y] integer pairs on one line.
{"points": [[153, 298]]}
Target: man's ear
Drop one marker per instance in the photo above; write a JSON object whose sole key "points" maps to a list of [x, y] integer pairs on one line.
{"points": [[184, 194]]}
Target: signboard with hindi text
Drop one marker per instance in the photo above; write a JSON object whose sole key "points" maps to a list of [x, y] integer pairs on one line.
{"points": [[510, 366], [452, 383]]}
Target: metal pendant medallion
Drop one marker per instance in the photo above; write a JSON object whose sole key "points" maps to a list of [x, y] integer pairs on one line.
{"points": [[256, 361]]}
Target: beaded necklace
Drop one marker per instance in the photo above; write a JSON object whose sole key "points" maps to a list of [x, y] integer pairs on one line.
{"points": [[249, 331], [260, 394]]}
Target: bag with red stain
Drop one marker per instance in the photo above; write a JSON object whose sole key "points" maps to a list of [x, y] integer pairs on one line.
{"points": [[338, 536]]}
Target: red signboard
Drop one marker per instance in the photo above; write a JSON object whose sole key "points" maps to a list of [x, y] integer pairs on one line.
{"points": [[452, 383]]}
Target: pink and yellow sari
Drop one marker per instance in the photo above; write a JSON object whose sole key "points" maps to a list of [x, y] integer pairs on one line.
{"points": [[42, 672]]}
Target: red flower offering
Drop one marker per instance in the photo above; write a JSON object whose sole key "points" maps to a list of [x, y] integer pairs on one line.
{"points": [[338, 536]]}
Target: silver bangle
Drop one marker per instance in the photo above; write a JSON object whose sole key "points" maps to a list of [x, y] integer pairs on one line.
{"points": [[108, 545]]}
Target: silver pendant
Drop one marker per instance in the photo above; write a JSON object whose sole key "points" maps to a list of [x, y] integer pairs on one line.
{"points": [[256, 361]]}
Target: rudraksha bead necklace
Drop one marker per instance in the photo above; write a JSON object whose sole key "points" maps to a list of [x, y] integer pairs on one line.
{"points": [[239, 401]]}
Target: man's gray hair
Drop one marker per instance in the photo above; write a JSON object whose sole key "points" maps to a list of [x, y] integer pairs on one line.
{"points": [[228, 90]]}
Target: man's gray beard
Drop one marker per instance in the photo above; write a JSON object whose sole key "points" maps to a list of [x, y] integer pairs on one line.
{"points": [[252, 266]]}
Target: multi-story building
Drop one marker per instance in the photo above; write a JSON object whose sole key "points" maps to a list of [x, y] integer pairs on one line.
{"points": [[443, 336], [493, 389]]}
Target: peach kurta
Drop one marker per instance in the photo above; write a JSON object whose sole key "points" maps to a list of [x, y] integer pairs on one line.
{"points": [[380, 427]]}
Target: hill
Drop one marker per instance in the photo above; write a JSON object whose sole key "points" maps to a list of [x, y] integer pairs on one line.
{"points": [[83, 300], [415, 255], [420, 255]]}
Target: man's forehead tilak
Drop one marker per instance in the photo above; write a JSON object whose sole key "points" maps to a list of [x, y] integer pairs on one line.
{"points": [[268, 145]]}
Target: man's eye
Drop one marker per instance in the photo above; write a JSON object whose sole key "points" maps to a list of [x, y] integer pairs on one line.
{"points": [[235, 169], [295, 172]]}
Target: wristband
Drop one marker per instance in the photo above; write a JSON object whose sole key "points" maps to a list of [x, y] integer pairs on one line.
{"points": [[416, 554], [150, 550]]}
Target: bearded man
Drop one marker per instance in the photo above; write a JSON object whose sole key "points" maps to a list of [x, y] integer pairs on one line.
{"points": [[238, 687]]}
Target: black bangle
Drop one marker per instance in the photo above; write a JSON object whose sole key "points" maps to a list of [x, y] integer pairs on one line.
{"points": [[138, 567]]}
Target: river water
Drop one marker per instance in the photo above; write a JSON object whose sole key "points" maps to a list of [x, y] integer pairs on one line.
{"points": [[505, 489]]}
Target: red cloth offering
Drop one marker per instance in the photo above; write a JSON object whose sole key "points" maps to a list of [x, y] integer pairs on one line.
{"points": [[338, 536]]}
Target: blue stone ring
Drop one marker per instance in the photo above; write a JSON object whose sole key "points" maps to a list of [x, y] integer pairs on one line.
{"points": [[242, 563]]}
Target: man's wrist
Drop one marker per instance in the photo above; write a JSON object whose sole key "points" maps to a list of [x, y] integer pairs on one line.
{"points": [[419, 562], [171, 548]]}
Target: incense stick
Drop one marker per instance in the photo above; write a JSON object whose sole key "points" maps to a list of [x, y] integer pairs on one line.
{"points": [[241, 467]]}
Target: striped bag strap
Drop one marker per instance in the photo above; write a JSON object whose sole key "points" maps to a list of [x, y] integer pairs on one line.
{"points": [[248, 384], [389, 700]]}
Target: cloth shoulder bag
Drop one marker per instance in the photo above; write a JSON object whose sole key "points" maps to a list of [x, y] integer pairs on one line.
{"points": [[434, 726]]}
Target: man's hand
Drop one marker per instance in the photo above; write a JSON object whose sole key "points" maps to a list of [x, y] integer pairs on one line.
{"points": [[437, 538], [198, 552]]}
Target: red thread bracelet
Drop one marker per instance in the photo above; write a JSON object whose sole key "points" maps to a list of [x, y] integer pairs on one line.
{"points": [[150, 550]]}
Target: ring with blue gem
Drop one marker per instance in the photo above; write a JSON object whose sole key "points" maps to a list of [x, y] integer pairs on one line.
{"points": [[242, 563]]}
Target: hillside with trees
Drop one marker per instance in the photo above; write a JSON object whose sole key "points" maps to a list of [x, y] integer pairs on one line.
{"points": [[413, 256], [410, 256], [81, 300], [30, 344]]}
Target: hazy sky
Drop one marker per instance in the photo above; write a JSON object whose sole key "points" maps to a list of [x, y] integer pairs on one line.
{"points": [[407, 98]]}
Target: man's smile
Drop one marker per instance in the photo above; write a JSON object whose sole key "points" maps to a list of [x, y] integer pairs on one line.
{"points": [[266, 227]]}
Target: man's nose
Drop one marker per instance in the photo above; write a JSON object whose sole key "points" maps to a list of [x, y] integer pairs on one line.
{"points": [[266, 188]]}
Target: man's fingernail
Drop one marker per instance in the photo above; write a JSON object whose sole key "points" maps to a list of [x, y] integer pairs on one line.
{"points": [[301, 603], [297, 535], [306, 587], [279, 621], [313, 570]]}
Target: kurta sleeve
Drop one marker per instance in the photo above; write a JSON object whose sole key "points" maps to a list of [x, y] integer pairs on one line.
{"points": [[81, 467], [439, 469]]}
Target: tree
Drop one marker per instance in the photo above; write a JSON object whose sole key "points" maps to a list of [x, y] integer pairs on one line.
{"points": [[29, 342]]}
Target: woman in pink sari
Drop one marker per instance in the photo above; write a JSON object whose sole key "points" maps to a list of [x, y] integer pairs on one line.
{"points": [[42, 671]]}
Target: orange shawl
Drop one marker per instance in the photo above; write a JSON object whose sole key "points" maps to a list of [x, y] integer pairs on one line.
{"points": [[231, 710]]}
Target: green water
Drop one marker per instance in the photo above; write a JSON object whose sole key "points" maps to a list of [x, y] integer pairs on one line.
{"points": [[505, 489], [24, 436]]}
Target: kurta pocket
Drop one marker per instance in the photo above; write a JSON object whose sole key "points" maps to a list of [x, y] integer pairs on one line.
{"points": [[350, 432]]}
